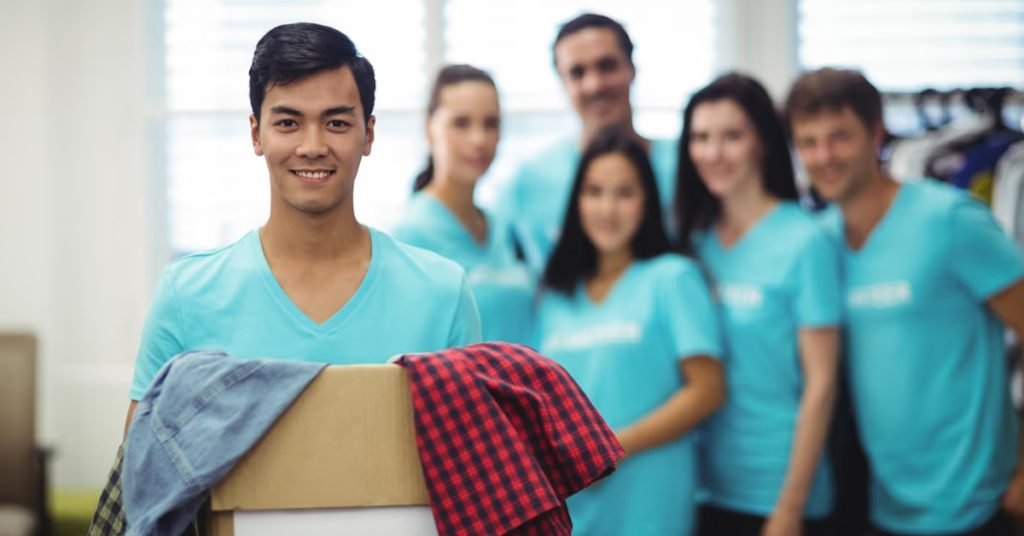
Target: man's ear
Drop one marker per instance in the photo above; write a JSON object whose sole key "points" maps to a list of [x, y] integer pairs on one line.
{"points": [[254, 133], [368, 144], [878, 135]]}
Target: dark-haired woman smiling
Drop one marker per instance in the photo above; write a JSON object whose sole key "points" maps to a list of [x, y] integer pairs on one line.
{"points": [[635, 326], [776, 276]]}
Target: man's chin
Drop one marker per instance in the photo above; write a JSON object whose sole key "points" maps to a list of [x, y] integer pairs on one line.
{"points": [[315, 208], [607, 120]]}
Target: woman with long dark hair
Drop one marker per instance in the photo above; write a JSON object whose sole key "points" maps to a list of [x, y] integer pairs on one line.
{"points": [[776, 279], [634, 325], [463, 128]]}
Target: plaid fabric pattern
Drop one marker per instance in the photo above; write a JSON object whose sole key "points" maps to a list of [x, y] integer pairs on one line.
{"points": [[108, 519], [504, 436]]}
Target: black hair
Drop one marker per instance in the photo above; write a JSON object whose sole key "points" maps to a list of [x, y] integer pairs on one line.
{"points": [[574, 257], [593, 20], [696, 207], [447, 76], [293, 51]]}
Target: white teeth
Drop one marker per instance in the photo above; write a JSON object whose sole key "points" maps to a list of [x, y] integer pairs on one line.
{"points": [[312, 174]]}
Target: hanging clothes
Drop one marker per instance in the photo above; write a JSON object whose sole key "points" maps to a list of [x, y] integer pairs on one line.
{"points": [[1008, 197]]}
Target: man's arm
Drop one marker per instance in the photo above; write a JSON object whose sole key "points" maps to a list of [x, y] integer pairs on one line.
{"points": [[1008, 305], [162, 337], [131, 412]]}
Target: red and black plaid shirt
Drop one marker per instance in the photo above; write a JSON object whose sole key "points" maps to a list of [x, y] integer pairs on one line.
{"points": [[504, 436]]}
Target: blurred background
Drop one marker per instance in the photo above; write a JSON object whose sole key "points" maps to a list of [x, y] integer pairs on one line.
{"points": [[125, 143]]}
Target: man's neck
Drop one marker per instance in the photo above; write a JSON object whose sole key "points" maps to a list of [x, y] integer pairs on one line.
{"points": [[589, 131], [294, 236], [865, 209]]}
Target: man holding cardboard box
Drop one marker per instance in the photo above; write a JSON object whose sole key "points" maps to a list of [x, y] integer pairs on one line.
{"points": [[312, 284]]}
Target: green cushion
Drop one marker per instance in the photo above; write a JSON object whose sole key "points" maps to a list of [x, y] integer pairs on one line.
{"points": [[72, 510]]}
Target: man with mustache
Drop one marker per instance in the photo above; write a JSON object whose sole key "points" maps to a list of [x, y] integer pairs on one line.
{"points": [[593, 55]]}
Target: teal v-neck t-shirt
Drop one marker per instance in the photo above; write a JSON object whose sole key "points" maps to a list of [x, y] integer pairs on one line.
{"points": [[501, 283], [410, 300], [926, 360], [780, 277], [625, 352]]}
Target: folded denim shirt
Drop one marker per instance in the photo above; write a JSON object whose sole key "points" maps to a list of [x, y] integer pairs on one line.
{"points": [[202, 413]]}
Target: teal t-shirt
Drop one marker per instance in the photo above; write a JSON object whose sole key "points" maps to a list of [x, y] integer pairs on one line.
{"points": [[624, 352], [538, 194], [746, 447], [410, 300], [927, 368], [500, 282]]}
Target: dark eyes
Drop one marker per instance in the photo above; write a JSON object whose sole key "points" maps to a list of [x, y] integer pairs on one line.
{"points": [[607, 65], [466, 122], [291, 123], [604, 65]]}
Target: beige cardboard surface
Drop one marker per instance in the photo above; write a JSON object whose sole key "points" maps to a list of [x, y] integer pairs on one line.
{"points": [[349, 440]]}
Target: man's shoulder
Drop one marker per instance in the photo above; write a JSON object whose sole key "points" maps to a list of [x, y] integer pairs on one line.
{"points": [[201, 270], [935, 191], [548, 158], [405, 263], [933, 202]]}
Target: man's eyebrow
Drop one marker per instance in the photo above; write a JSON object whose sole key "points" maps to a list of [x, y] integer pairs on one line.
{"points": [[340, 110], [284, 110]]}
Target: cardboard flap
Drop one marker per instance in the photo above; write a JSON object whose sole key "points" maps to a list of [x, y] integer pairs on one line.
{"points": [[349, 440]]}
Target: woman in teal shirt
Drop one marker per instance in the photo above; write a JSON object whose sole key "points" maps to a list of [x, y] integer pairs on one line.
{"points": [[776, 280], [463, 128], [635, 327]]}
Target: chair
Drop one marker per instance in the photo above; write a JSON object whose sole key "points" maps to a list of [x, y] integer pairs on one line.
{"points": [[22, 463]]}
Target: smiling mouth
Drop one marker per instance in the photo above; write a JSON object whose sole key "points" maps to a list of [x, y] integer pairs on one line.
{"points": [[313, 175]]}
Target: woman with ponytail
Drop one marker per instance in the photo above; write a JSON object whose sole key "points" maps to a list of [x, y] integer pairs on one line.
{"points": [[463, 128]]}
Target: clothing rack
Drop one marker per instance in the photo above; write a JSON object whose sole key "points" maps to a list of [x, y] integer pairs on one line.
{"points": [[930, 109]]}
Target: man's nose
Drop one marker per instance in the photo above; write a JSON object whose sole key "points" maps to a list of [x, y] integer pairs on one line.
{"points": [[312, 144]]}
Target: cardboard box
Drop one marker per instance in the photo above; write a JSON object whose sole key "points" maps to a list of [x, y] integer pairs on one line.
{"points": [[343, 455]]}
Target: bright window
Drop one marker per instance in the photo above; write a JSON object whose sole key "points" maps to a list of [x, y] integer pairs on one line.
{"points": [[907, 45], [217, 189]]}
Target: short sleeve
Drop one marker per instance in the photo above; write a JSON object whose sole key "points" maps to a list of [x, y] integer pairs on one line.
{"points": [[465, 328], [982, 258], [815, 281], [162, 336], [688, 312]]}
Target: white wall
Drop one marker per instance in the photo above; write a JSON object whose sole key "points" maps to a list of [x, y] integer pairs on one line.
{"points": [[75, 244], [758, 37]]}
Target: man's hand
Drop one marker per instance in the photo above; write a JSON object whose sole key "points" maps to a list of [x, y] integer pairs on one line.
{"points": [[1013, 499]]}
